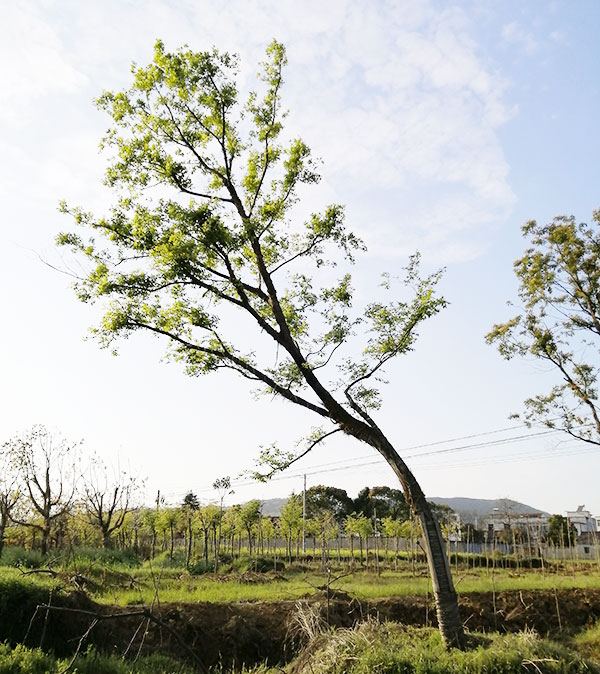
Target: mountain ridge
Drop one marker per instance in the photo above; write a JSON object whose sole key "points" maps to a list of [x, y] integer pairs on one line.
{"points": [[469, 509]]}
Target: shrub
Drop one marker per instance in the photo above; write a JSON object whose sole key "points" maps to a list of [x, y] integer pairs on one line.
{"points": [[200, 566], [257, 564], [17, 556], [21, 660]]}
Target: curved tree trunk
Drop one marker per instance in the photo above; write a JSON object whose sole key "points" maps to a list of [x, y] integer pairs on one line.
{"points": [[446, 599]]}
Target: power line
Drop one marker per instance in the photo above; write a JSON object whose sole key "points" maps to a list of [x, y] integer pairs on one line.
{"points": [[324, 468]]}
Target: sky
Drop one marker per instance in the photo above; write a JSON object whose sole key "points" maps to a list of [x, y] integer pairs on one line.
{"points": [[442, 126]]}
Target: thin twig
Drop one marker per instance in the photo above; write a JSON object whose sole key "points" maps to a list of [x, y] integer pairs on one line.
{"points": [[81, 640]]}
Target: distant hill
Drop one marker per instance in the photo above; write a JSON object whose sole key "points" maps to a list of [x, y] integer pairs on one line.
{"points": [[469, 509], [272, 506]]}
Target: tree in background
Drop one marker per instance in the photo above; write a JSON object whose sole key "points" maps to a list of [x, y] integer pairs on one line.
{"points": [[321, 499], [393, 528], [560, 531], [169, 520], [290, 519], [46, 465], [189, 506], [107, 496], [208, 518], [223, 488], [9, 492], [218, 240], [248, 516], [381, 502], [559, 322]]}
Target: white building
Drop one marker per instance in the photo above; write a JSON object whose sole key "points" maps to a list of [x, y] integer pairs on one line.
{"points": [[582, 520]]}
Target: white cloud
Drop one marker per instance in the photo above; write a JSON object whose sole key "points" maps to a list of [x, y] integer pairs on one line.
{"points": [[514, 33], [36, 62], [392, 95]]}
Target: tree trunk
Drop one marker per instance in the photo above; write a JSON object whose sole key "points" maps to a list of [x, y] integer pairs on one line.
{"points": [[446, 599], [188, 552], [2, 530], [44, 541]]}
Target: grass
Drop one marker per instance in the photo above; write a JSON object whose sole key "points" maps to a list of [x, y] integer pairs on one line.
{"points": [[21, 660], [368, 648], [393, 649], [177, 586], [120, 579]]}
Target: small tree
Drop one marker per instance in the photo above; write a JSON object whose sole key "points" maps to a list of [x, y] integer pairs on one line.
{"points": [[559, 322], [169, 518], [248, 516], [321, 499], [46, 465], [208, 518], [218, 238], [560, 531], [393, 528], [9, 492], [290, 520], [223, 489], [189, 507], [107, 497]]}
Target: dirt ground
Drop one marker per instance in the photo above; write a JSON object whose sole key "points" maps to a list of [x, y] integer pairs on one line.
{"points": [[252, 632]]}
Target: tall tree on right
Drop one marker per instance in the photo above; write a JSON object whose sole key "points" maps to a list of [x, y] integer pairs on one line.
{"points": [[559, 322]]}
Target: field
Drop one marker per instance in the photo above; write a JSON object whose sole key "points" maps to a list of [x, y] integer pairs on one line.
{"points": [[249, 613]]}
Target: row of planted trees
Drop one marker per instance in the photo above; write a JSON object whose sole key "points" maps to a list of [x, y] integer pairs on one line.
{"points": [[52, 495]]}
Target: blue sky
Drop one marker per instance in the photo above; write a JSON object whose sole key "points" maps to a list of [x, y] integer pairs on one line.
{"points": [[442, 127]]}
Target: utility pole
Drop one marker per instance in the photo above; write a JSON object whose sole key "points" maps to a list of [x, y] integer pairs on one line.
{"points": [[304, 517]]}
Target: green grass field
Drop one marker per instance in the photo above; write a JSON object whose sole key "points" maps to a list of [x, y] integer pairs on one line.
{"points": [[126, 585]]}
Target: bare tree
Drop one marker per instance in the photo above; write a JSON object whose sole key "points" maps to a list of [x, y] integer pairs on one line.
{"points": [[9, 492], [46, 465], [107, 497]]}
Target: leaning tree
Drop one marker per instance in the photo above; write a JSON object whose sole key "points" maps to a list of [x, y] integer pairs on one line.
{"points": [[218, 239], [558, 323]]}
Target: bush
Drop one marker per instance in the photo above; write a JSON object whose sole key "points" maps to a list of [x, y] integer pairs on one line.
{"points": [[201, 566], [163, 560], [257, 564], [16, 556], [21, 660], [107, 556]]}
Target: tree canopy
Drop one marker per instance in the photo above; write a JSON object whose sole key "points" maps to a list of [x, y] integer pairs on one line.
{"points": [[218, 237], [559, 322]]}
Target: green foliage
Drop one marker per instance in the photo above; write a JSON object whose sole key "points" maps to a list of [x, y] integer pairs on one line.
{"points": [[559, 322], [588, 642], [22, 660], [391, 648], [560, 531], [218, 238], [17, 556], [382, 501], [201, 566], [321, 499]]}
